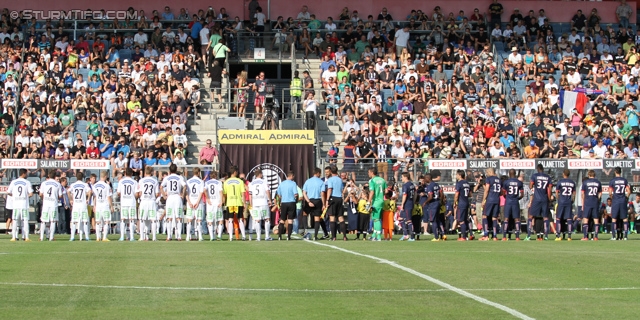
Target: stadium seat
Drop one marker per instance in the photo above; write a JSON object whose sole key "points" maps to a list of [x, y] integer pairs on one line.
{"points": [[386, 93], [81, 126], [124, 54], [84, 73]]}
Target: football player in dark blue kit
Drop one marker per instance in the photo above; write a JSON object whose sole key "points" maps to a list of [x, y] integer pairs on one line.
{"points": [[408, 196], [461, 204], [539, 205], [619, 192], [434, 202], [566, 194], [591, 195], [514, 191], [491, 204]]}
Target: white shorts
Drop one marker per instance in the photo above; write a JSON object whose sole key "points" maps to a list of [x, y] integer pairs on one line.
{"points": [[148, 211], [20, 214], [173, 208], [79, 214], [49, 214], [214, 213], [197, 213], [260, 213], [128, 213], [102, 214]]}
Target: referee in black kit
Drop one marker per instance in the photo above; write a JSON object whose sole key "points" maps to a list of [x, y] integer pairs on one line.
{"points": [[333, 204], [288, 193], [313, 199]]}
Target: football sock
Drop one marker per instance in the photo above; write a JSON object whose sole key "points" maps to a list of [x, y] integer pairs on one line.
{"points": [[517, 227], [547, 227], [43, 226], [377, 228], [290, 229], [230, 229], [403, 224], [409, 226], [633, 225], [165, 226], [333, 229], [256, 226], [179, 229], [485, 226], [614, 229], [132, 228], [528, 228], [235, 227], [463, 230], [52, 230], [585, 230], [219, 229], [267, 228], [73, 229], [189, 230], [80, 229], [14, 230], [343, 228], [280, 229], [495, 227], [25, 229], [241, 226], [569, 226], [86, 230], [199, 230], [558, 227], [596, 231], [316, 228], [211, 234], [98, 230], [504, 228], [153, 229], [626, 228], [123, 229]]}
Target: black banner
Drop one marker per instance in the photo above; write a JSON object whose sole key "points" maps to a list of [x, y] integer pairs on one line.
{"points": [[274, 161], [54, 164], [550, 164], [481, 164], [622, 163]]}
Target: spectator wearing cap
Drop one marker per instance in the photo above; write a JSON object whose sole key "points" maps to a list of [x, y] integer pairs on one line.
{"points": [[531, 151]]}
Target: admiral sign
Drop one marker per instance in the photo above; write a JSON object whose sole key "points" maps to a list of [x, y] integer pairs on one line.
{"points": [[448, 164], [584, 164], [19, 163]]}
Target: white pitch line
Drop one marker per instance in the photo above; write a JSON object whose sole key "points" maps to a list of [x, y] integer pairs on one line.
{"points": [[443, 284], [91, 286]]}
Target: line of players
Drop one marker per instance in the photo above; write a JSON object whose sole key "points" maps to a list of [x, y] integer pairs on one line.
{"points": [[196, 193], [539, 206]]}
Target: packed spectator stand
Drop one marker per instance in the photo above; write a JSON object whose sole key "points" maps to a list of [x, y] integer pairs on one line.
{"points": [[416, 85]]}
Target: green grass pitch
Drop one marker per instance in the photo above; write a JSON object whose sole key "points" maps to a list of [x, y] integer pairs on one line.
{"points": [[301, 280]]}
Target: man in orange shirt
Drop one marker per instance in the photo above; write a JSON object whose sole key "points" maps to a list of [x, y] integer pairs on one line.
{"points": [[532, 151]]}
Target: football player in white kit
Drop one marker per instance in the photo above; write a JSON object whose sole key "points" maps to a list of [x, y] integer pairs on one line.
{"points": [[127, 192], [50, 193], [195, 206], [213, 188], [79, 192], [147, 193], [20, 190], [102, 206], [260, 200], [172, 189]]}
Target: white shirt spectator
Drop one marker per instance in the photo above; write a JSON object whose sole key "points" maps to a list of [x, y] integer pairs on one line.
{"points": [[528, 107], [397, 152], [140, 39], [78, 84], [330, 27], [549, 86], [204, 36], [351, 125], [419, 126], [574, 78], [573, 38], [600, 150], [402, 38], [514, 58]]}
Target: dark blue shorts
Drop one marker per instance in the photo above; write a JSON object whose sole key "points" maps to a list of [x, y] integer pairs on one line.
{"points": [[539, 210], [491, 210], [406, 211], [591, 213], [432, 213], [462, 214], [564, 212], [512, 211], [619, 211]]}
